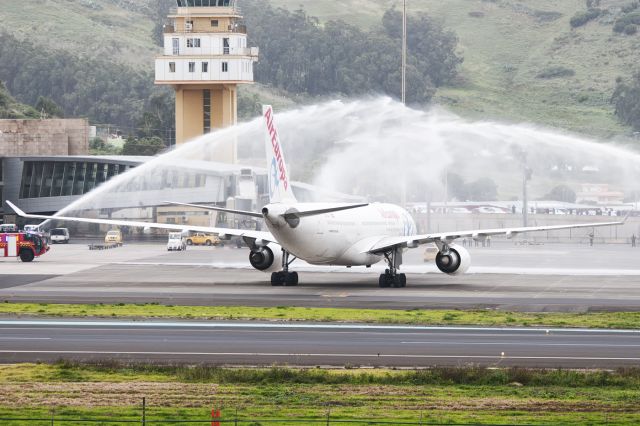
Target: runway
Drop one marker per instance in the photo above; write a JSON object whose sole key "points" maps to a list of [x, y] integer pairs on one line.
{"points": [[258, 344], [571, 278]]}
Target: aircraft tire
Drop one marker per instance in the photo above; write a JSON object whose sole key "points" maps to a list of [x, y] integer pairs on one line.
{"points": [[384, 281], [402, 279], [277, 279], [291, 279]]}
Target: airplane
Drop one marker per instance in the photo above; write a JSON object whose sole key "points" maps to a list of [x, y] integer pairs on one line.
{"points": [[329, 233]]}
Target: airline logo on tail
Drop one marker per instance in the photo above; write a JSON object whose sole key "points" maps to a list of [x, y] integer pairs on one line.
{"points": [[278, 170]]}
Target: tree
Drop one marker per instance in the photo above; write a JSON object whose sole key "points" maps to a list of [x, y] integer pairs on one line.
{"points": [[144, 146], [301, 56], [626, 99], [483, 189], [562, 193], [48, 107]]}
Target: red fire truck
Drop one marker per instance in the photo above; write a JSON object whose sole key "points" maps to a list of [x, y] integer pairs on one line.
{"points": [[26, 245]]}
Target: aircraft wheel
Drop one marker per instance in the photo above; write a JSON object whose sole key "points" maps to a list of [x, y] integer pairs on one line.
{"points": [[277, 279], [291, 279], [384, 281], [402, 279]]}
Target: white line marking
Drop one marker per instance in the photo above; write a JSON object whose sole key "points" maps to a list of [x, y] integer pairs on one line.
{"points": [[537, 344], [25, 338], [135, 324], [496, 357]]}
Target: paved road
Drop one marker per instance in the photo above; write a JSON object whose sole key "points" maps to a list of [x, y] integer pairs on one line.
{"points": [[542, 278], [322, 344]]}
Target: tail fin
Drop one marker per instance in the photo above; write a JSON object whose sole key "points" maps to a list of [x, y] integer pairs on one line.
{"points": [[279, 184]]}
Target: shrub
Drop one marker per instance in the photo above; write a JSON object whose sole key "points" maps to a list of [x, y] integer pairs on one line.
{"points": [[626, 20], [631, 29], [476, 14], [630, 7], [556, 72], [581, 18]]}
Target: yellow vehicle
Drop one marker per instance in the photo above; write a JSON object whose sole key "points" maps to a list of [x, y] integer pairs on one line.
{"points": [[113, 237], [430, 253], [200, 239]]}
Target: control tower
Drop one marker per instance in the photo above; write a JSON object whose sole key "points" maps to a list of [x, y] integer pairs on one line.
{"points": [[205, 59]]}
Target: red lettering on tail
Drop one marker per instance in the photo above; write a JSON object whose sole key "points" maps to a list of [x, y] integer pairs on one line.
{"points": [[277, 151]]}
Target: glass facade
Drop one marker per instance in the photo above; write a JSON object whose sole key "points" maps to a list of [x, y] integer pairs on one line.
{"points": [[42, 179]]}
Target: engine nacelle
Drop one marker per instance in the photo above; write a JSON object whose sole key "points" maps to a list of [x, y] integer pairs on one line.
{"points": [[267, 258], [456, 262]]}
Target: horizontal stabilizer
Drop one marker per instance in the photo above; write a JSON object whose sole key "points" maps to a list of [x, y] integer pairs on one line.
{"points": [[217, 209], [323, 211]]}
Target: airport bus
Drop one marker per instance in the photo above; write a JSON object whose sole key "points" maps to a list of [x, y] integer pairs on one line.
{"points": [[25, 245]]}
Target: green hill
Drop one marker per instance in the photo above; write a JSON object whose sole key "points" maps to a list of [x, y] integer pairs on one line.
{"points": [[509, 46], [117, 30], [522, 59]]}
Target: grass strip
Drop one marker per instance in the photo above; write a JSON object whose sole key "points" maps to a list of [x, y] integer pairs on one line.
{"points": [[612, 320], [111, 390]]}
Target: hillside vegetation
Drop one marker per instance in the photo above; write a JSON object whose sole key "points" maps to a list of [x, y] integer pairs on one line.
{"points": [[523, 61], [10, 108]]}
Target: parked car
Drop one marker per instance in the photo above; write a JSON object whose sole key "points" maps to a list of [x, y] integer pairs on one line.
{"points": [[113, 237], [176, 242], [59, 236], [201, 239]]}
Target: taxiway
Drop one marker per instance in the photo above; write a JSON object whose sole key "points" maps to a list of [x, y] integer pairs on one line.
{"points": [[573, 278]]}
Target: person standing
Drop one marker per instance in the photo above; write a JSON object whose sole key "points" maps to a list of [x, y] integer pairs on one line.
{"points": [[633, 240], [591, 237]]}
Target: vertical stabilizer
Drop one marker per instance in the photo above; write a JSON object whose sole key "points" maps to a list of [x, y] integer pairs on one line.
{"points": [[279, 184]]}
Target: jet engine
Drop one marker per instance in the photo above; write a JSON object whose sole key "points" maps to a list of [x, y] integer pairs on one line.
{"points": [[267, 258], [455, 262]]}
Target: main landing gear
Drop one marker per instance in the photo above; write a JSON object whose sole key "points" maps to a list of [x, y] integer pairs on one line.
{"points": [[391, 277], [284, 277]]}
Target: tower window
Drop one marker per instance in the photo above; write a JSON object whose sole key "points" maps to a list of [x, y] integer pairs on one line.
{"points": [[215, 23], [192, 67], [225, 67], [205, 67], [172, 67], [193, 42], [206, 109], [225, 45]]}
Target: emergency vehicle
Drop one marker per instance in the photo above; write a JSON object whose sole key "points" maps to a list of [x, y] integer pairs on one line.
{"points": [[25, 245]]}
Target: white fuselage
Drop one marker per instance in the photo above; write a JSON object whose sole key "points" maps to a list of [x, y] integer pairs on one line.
{"points": [[339, 238]]}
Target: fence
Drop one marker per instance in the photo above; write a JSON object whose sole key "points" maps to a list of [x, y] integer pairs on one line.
{"points": [[217, 420]]}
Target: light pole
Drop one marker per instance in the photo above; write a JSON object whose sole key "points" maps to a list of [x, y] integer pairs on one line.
{"points": [[403, 194], [404, 52]]}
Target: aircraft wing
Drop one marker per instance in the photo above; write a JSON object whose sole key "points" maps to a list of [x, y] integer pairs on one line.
{"points": [[244, 233], [413, 241]]}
